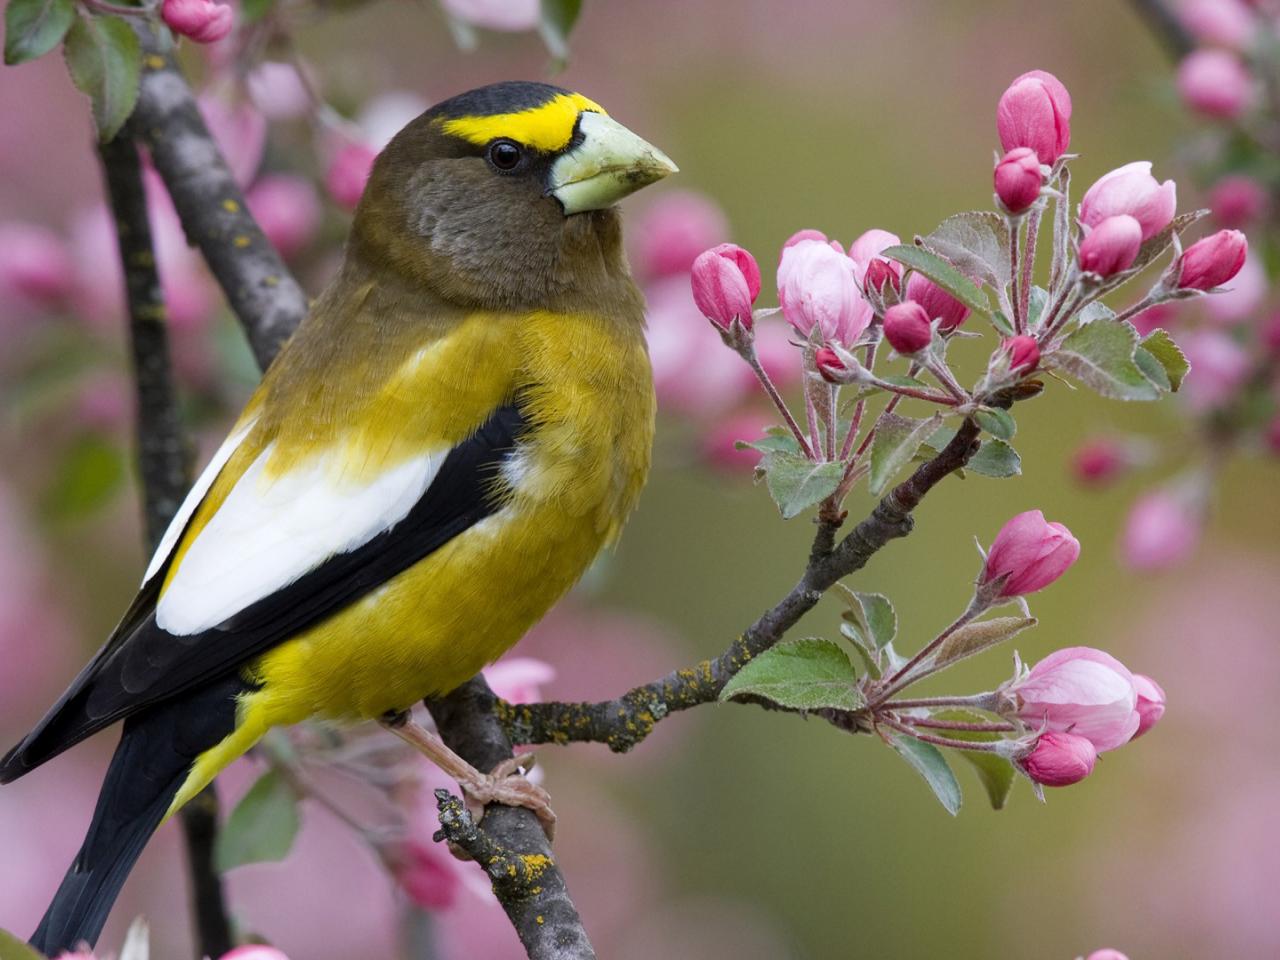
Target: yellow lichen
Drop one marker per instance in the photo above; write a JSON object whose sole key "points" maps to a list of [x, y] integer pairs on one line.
{"points": [[241, 241], [230, 206]]}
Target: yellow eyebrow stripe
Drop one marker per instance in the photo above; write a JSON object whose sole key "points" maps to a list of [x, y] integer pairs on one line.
{"points": [[548, 127]]}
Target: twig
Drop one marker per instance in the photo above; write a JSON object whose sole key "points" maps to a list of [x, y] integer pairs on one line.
{"points": [[164, 465]]}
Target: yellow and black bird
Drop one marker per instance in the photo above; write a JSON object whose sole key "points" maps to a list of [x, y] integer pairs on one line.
{"points": [[437, 454]]}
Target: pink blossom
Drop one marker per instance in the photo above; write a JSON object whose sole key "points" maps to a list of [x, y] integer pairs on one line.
{"points": [[84, 953], [937, 303], [1238, 200], [1219, 367], [1212, 261], [1243, 297], [817, 287], [1106, 953], [720, 443], [1151, 701], [277, 89], [1131, 190], [1018, 179], [1035, 112], [907, 327], [254, 951], [1059, 760], [1222, 23], [1162, 531], [1081, 691], [287, 209], [866, 250], [881, 273], [201, 20], [1111, 247], [668, 236], [386, 114], [348, 171], [507, 15], [35, 266], [1215, 83], [241, 132], [726, 282], [1030, 553], [519, 679], [1099, 461], [1024, 353]]}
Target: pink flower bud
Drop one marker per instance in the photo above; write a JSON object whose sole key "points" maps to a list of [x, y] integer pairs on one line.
{"points": [[35, 266], [865, 253], [817, 288], [519, 679], [1024, 353], [1215, 83], [937, 303], [1150, 703], [1162, 531], [1035, 112], [1212, 261], [1030, 553], [287, 209], [348, 172], [201, 20], [726, 282], [1111, 247], [254, 951], [1018, 179], [829, 364], [506, 15], [1081, 691], [881, 273], [1131, 190], [1238, 200], [1099, 461], [668, 236], [1220, 23], [907, 327], [1059, 760]]}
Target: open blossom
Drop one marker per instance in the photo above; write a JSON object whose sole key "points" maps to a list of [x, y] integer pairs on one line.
{"points": [[907, 327], [938, 304], [1162, 531], [1030, 553], [1133, 191], [1215, 83], [668, 236], [287, 209], [508, 15], [1035, 112], [254, 951], [1059, 760], [201, 20], [1213, 261], [1018, 179], [817, 287], [348, 172], [1111, 247], [726, 282], [1106, 953], [1150, 703], [1081, 691]]}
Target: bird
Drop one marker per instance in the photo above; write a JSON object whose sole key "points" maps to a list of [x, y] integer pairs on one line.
{"points": [[461, 423]]}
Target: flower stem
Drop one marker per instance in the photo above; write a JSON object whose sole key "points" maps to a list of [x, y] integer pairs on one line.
{"points": [[958, 725], [926, 395], [1014, 274], [978, 701], [902, 676], [753, 361], [1029, 264], [983, 747]]}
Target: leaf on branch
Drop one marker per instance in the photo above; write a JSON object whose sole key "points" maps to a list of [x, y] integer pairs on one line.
{"points": [[942, 273], [1169, 355], [558, 19], [808, 674], [775, 440], [997, 459], [1036, 303], [928, 761], [262, 826], [34, 27], [104, 57], [1101, 356], [869, 621], [1095, 311], [996, 773], [14, 948], [999, 423], [896, 442], [973, 638], [977, 243], [797, 483]]}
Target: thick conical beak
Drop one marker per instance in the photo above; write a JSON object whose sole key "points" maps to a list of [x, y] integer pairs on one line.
{"points": [[608, 164]]}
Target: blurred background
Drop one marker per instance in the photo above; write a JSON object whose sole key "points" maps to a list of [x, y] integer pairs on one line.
{"points": [[731, 832]]}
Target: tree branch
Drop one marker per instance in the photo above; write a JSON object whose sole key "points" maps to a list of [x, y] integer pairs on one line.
{"points": [[1164, 23], [164, 457], [623, 722]]}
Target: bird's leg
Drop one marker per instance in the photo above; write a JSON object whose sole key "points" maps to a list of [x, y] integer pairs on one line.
{"points": [[505, 785]]}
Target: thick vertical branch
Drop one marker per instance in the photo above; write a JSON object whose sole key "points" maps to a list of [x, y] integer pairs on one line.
{"points": [[164, 465]]}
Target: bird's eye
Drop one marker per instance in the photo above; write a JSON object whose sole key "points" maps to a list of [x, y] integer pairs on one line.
{"points": [[504, 154]]}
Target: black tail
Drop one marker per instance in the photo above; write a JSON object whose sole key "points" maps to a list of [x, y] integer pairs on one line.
{"points": [[153, 759]]}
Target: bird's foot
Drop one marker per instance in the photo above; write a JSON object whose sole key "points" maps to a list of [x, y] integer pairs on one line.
{"points": [[507, 784]]}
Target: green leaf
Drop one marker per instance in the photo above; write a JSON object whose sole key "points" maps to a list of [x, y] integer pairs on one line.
{"points": [[796, 483], [942, 273], [973, 638], [997, 459], [105, 60], [12, 948], [1002, 323], [1100, 355], [1152, 369], [976, 243], [808, 674], [1162, 347], [896, 442], [999, 423], [558, 19], [93, 471], [1095, 311], [928, 761], [262, 826], [995, 773], [34, 27], [880, 618], [779, 442]]}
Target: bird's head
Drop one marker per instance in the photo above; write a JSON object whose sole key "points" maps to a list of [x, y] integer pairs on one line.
{"points": [[503, 197]]}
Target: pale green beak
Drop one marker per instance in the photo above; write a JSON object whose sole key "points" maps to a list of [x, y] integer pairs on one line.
{"points": [[608, 164]]}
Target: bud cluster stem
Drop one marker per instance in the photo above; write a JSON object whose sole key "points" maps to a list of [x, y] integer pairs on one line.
{"points": [[753, 361], [902, 677]]}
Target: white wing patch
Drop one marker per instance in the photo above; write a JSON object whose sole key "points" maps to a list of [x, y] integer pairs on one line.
{"points": [[202, 485], [271, 531]]}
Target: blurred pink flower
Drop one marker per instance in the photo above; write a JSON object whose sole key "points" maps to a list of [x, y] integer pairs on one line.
{"points": [[348, 171], [668, 236], [1215, 83], [720, 442], [1111, 246], [1223, 23], [386, 114], [254, 951], [1219, 366], [519, 679], [35, 266], [1030, 553], [509, 15], [241, 132], [287, 209], [1106, 954], [1059, 759], [1162, 531], [1082, 691], [1243, 296], [777, 354], [1238, 200], [1131, 190], [277, 90], [1099, 461], [1035, 112], [1160, 315], [104, 402]]}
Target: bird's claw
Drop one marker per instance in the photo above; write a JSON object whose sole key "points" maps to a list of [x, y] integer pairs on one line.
{"points": [[508, 785]]}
